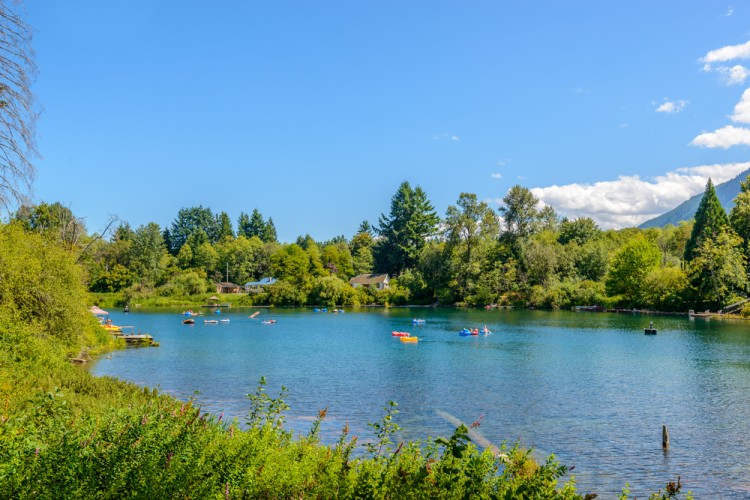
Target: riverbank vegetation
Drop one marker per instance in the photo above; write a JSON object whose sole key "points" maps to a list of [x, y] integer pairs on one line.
{"points": [[66, 434], [522, 255]]}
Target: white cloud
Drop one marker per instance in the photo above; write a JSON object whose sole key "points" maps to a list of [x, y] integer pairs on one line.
{"points": [[630, 200], [624, 125], [496, 175], [723, 138], [735, 75], [446, 136], [502, 163], [728, 13], [672, 106], [742, 108], [726, 53]]}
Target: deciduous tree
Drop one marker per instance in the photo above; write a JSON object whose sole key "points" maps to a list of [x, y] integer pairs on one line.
{"points": [[739, 216], [147, 251], [717, 270], [520, 212], [579, 230], [470, 227], [629, 268]]}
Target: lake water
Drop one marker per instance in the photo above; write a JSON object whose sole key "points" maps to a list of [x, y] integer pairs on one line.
{"points": [[589, 387]]}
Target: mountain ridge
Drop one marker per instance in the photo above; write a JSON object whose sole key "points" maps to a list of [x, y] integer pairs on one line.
{"points": [[726, 192]]}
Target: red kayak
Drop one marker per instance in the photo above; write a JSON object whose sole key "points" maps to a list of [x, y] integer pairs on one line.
{"points": [[400, 334]]}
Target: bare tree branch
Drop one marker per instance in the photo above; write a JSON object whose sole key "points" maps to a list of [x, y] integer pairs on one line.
{"points": [[18, 113]]}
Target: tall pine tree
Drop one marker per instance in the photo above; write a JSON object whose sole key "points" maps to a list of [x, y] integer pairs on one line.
{"points": [[243, 225], [269, 232], [224, 224], [710, 220], [405, 231]]}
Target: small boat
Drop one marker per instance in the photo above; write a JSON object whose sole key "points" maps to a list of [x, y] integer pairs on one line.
{"points": [[316, 310], [189, 321], [465, 332], [409, 340], [187, 313], [486, 330], [400, 334], [253, 315], [418, 321], [225, 320], [268, 321], [210, 322], [650, 330], [475, 331]]}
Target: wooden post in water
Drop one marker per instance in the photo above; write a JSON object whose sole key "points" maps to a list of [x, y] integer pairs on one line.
{"points": [[664, 437]]}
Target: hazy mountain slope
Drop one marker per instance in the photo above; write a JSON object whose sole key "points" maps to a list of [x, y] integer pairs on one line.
{"points": [[726, 192]]}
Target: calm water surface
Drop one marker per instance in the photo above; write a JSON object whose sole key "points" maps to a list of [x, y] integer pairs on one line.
{"points": [[591, 388]]}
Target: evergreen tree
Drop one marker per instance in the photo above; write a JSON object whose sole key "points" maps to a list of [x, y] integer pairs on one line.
{"points": [[243, 225], [710, 220], [361, 249], [305, 241], [365, 227], [269, 232], [189, 220], [224, 224], [405, 231], [257, 225]]}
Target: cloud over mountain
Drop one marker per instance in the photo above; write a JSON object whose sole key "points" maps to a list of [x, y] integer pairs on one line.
{"points": [[630, 200]]}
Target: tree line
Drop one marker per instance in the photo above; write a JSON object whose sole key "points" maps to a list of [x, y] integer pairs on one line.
{"points": [[523, 254]]}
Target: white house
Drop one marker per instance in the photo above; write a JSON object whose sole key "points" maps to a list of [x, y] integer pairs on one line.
{"points": [[379, 281]]}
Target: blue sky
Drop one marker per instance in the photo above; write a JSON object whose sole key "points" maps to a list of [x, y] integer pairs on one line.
{"points": [[314, 112]]}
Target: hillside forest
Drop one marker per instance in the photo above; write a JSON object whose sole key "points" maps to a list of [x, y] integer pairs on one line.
{"points": [[522, 255]]}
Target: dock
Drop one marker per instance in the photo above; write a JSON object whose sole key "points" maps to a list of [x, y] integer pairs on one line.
{"points": [[133, 339], [144, 340]]}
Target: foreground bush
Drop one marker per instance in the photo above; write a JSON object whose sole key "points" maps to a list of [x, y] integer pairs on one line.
{"points": [[56, 445]]}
